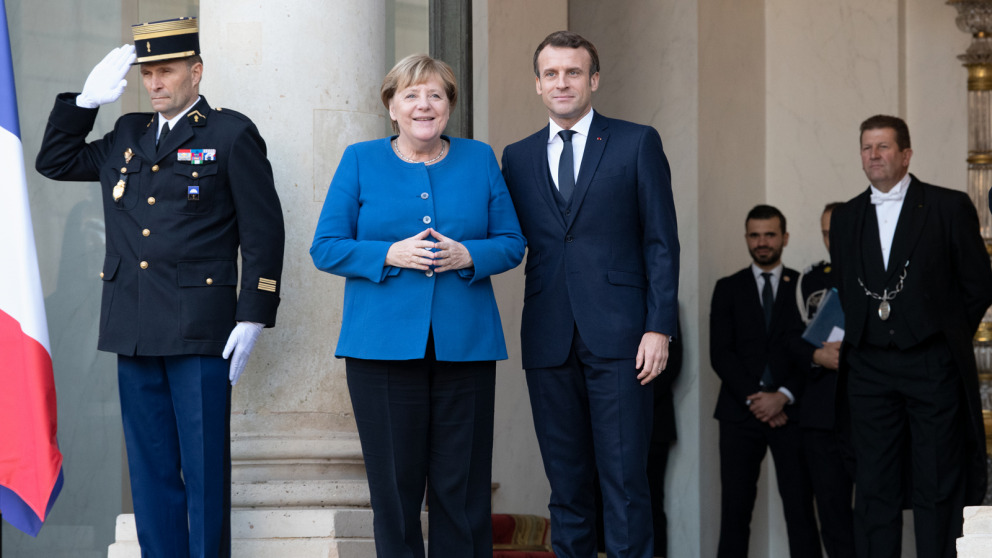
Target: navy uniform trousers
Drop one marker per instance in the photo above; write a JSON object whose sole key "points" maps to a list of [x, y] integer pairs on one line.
{"points": [[177, 416]]}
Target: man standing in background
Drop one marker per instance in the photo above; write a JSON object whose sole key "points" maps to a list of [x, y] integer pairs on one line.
{"points": [[914, 281], [825, 418], [756, 348]]}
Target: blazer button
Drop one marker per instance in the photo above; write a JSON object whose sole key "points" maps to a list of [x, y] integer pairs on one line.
{"points": [[154, 168], [568, 212], [151, 200], [143, 265], [196, 174], [429, 273], [123, 169], [569, 238], [146, 232], [210, 281], [101, 275], [424, 196], [427, 219]]}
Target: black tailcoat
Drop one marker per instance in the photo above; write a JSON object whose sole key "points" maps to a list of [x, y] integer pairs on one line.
{"points": [[947, 289]]}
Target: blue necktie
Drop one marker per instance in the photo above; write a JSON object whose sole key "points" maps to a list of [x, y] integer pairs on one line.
{"points": [[566, 166]]}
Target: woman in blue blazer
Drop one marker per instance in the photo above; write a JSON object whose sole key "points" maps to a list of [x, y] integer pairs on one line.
{"points": [[417, 223]]}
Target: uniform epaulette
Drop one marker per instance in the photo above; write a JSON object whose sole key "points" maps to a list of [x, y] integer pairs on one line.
{"points": [[231, 112]]}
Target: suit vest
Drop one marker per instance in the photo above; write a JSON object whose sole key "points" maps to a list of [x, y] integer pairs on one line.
{"points": [[895, 330], [563, 206]]}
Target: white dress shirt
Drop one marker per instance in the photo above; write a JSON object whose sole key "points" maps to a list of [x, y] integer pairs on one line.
{"points": [[555, 144], [887, 211]]}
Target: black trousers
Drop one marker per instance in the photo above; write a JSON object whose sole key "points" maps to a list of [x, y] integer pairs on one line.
{"points": [[427, 424], [890, 389], [830, 458], [743, 446]]}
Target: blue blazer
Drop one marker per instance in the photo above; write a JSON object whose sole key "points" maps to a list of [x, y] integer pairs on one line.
{"points": [[609, 265], [376, 199]]}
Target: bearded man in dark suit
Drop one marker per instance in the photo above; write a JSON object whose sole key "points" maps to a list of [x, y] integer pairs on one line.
{"points": [[756, 348], [914, 280]]}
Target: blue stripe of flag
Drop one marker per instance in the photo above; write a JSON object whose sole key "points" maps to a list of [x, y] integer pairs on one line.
{"points": [[8, 98]]}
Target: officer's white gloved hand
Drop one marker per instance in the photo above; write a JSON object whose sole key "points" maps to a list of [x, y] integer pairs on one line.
{"points": [[106, 82], [241, 342]]}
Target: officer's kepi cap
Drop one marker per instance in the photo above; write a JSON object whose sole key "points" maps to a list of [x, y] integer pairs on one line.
{"points": [[166, 40]]}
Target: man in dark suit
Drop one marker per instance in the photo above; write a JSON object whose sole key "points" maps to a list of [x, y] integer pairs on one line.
{"points": [[914, 281], [594, 199], [825, 418], [183, 188], [757, 350]]}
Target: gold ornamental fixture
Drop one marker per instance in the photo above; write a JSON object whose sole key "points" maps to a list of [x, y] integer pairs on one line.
{"points": [[975, 18]]}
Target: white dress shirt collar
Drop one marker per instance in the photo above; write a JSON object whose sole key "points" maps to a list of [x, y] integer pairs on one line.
{"points": [[776, 276], [581, 127], [175, 119]]}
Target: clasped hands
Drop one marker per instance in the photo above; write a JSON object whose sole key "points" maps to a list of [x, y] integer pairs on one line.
{"points": [[417, 252], [768, 407]]}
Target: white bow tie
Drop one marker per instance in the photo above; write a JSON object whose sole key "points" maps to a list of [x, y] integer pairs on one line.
{"points": [[890, 196]]}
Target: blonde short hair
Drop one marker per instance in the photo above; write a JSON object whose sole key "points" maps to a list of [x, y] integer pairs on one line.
{"points": [[413, 70]]}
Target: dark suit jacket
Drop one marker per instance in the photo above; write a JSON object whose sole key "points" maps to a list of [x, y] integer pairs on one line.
{"points": [[609, 265], [741, 346], [947, 289], [184, 300]]}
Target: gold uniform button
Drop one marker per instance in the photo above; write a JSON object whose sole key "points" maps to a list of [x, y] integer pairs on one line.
{"points": [[123, 169], [196, 174], [143, 265], [101, 275], [146, 232], [154, 168], [210, 281], [151, 200]]}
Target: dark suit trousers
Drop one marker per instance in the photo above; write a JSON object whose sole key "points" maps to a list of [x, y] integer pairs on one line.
{"points": [[743, 446], [830, 458], [177, 418], [593, 414], [889, 388], [427, 424]]}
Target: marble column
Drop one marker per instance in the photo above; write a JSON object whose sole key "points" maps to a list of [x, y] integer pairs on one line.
{"points": [[308, 75]]}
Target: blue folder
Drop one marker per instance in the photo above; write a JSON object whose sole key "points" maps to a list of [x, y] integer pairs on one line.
{"points": [[829, 315]]}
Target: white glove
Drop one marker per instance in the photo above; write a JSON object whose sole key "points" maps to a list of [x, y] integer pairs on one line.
{"points": [[106, 82], [241, 342]]}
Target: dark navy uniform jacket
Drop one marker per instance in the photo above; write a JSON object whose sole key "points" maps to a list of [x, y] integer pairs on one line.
{"points": [[170, 275]]}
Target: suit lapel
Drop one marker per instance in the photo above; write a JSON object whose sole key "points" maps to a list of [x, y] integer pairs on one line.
{"points": [[751, 294], [146, 143], [782, 297], [908, 228], [861, 205], [542, 172], [593, 153]]}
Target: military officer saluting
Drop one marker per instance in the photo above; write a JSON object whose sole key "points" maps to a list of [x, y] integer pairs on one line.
{"points": [[183, 189]]}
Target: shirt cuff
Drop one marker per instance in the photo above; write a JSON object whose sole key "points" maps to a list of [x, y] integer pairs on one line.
{"points": [[788, 394]]}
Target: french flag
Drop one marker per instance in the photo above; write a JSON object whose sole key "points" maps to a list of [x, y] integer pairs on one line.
{"points": [[30, 461]]}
